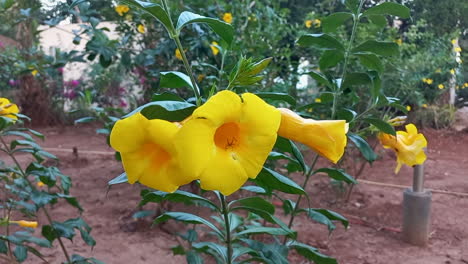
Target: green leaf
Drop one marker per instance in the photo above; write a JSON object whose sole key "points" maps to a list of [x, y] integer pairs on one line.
{"points": [[223, 29], [175, 79], [334, 216], [167, 96], [337, 174], [217, 251], [272, 180], [186, 218], [389, 8], [330, 58], [356, 78], [381, 125], [321, 41], [263, 214], [173, 111], [284, 97], [381, 48], [333, 21], [255, 202], [286, 145], [155, 10], [122, 178], [370, 60], [254, 189], [378, 20], [6, 4], [320, 78], [311, 253], [83, 120], [252, 230], [19, 134], [352, 5], [177, 196], [21, 253], [42, 198], [3, 247], [363, 147], [247, 72], [194, 258]]}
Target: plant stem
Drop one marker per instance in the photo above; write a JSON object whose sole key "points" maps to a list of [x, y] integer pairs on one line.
{"points": [[23, 174], [356, 17], [227, 227], [221, 70], [298, 201]]}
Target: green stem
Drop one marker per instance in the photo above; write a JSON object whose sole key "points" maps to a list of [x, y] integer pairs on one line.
{"points": [[23, 174], [298, 201], [346, 59], [221, 70], [227, 227]]}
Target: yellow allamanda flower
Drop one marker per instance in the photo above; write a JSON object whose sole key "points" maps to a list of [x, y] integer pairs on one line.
{"points": [[409, 146], [177, 54], [408, 108], [317, 23], [147, 151], [24, 223], [452, 71], [8, 109], [453, 41], [457, 49], [40, 184], [200, 77], [465, 85], [214, 47], [318, 100], [227, 17], [122, 9], [440, 86], [227, 140], [424, 105], [141, 28], [326, 137], [399, 41], [308, 23], [429, 81]]}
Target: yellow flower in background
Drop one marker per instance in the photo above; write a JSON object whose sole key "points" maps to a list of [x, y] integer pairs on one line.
{"points": [[227, 140], [8, 109], [409, 146], [424, 80], [424, 105], [141, 28], [454, 41], [452, 71], [308, 23], [440, 86], [214, 47], [178, 55], [408, 108], [429, 81], [399, 41], [147, 151], [465, 85], [317, 23], [318, 100], [23, 223], [200, 77], [34, 72], [40, 184], [327, 137], [121, 9], [457, 49], [227, 17], [129, 17]]}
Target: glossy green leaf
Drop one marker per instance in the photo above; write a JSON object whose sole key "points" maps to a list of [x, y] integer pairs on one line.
{"points": [[370, 60], [223, 29], [381, 125], [167, 96], [321, 41], [214, 249], [173, 111], [330, 58], [193, 258], [334, 216], [320, 78], [175, 79], [6, 4], [87, 119], [388, 8], [382, 48], [311, 253], [255, 202], [363, 147], [247, 72], [274, 181], [337, 174], [254, 189], [122, 178], [178, 197], [21, 253], [378, 20], [187, 218], [252, 230], [352, 5], [335, 20], [286, 145], [356, 78], [283, 97], [155, 10]]}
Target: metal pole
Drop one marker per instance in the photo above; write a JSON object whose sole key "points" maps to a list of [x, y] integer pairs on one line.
{"points": [[418, 178]]}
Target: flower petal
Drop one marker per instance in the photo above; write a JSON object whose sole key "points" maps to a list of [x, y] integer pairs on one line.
{"points": [[221, 108], [129, 133]]}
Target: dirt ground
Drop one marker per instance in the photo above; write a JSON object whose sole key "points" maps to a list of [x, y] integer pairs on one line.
{"points": [[374, 212]]}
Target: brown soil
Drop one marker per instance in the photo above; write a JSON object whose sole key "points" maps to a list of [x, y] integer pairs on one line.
{"points": [[374, 211]]}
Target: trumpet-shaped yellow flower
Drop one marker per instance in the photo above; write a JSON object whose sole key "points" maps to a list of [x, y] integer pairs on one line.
{"points": [[147, 151], [440, 86], [457, 49], [141, 28], [227, 140], [408, 108], [424, 105], [318, 100], [34, 72], [317, 23], [326, 137], [178, 55], [429, 81], [227, 17], [24, 223], [214, 47], [122, 9], [8, 109], [452, 71], [409, 146], [308, 23]]}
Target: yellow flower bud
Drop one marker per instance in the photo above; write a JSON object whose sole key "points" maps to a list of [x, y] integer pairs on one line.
{"points": [[178, 55], [141, 28], [227, 17], [24, 223], [440, 86]]}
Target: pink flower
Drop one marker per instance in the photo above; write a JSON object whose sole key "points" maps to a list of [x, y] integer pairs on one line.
{"points": [[123, 103], [74, 83], [122, 90], [60, 70], [12, 82], [142, 80], [70, 94]]}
